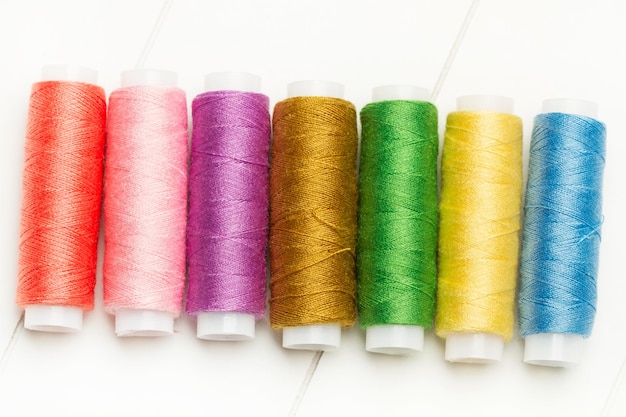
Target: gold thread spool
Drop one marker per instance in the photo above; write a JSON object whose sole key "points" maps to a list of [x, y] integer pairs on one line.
{"points": [[479, 228], [313, 195]]}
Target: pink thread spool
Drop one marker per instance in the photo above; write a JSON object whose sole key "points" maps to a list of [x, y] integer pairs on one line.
{"points": [[145, 203]]}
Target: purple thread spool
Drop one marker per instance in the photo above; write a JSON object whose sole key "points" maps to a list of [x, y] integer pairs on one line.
{"points": [[228, 207]]}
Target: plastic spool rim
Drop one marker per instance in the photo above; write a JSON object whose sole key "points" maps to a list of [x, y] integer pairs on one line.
{"points": [[484, 102], [225, 326], [62, 72], [553, 349], [54, 319], [400, 92], [143, 323], [571, 106], [310, 88], [233, 81], [474, 347], [324, 337], [394, 339], [149, 77]]}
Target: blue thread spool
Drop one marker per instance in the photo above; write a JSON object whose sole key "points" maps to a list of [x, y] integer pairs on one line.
{"points": [[561, 233]]}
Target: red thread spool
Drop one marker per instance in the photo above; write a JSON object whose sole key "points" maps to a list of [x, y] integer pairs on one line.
{"points": [[62, 192]]}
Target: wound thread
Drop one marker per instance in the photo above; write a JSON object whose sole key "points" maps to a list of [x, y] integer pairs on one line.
{"points": [[563, 217], [479, 223], [228, 208], [313, 198], [398, 214], [145, 204], [62, 191]]}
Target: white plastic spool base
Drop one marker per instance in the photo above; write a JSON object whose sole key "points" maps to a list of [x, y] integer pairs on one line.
{"points": [[315, 337], [310, 88], [233, 81], [143, 323], [149, 77], [571, 106], [69, 73], [55, 319], [392, 339], [400, 92], [225, 326], [474, 347], [553, 349], [481, 102]]}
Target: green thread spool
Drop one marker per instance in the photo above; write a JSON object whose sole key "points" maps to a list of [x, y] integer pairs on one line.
{"points": [[398, 219]]}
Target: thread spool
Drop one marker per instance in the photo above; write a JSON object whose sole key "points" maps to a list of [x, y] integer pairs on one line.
{"points": [[322, 335], [59, 307], [229, 157], [481, 342], [388, 331], [144, 282], [564, 347]]}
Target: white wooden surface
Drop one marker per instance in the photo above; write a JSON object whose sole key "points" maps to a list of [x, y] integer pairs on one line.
{"points": [[528, 50]]}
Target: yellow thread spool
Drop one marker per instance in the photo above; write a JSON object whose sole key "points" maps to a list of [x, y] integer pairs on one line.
{"points": [[479, 228]]}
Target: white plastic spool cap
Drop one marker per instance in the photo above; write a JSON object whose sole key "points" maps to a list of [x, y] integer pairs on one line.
{"points": [[394, 339], [69, 73], [474, 347], [51, 318], [481, 102], [400, 92], [143, 323], [553, 349], [571, 106], [56, 319], [315, 88], [149, 77], [233, 81], [225, 326], [316, 336]]}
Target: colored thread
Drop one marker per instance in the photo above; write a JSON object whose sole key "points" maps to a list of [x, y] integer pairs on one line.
{"points": [[563, 217], [398, 222], [229, 202], [145, 204], [62, 192], [313, 197], [479, 223]]}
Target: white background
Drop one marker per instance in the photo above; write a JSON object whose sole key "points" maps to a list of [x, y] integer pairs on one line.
{"points": [[529, 50]]}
